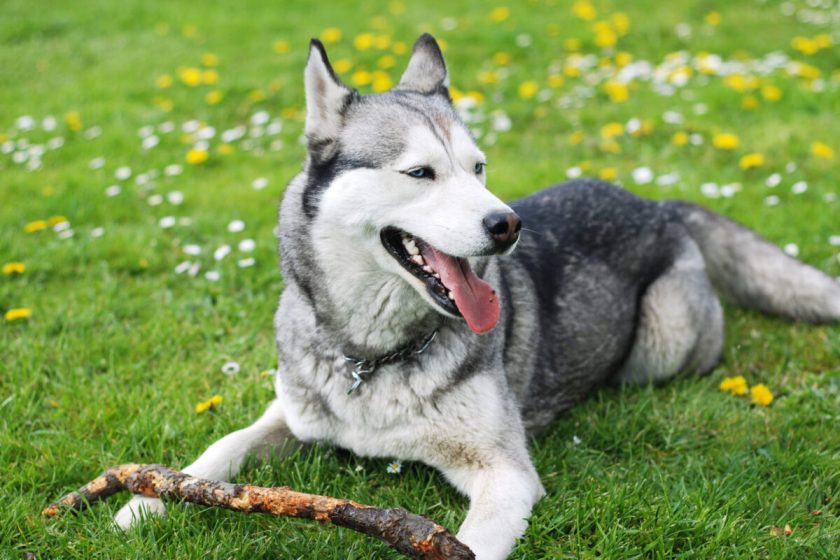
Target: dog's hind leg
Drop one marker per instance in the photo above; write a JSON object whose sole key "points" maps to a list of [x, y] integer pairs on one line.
{"points": [[680, 324], [222, 460]]}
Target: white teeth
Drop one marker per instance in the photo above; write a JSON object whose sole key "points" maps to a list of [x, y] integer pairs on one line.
{"points": [[436, 275], [451, 295], [418, 260], [410, 246], [428, 269]]}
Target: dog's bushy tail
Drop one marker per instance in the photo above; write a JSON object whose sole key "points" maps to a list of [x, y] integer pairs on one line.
{"points": [[752, 272]]}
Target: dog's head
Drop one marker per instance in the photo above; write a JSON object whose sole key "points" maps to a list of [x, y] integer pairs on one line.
{"points": [[400, 177]]}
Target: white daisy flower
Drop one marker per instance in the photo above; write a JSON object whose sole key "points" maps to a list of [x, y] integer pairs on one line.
{"points": [[230, 368], [394, 467], [221, 252], [123, 172]]}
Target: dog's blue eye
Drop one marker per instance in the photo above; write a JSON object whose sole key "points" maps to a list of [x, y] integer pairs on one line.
{"points": [[421, 173], [479, 168]]}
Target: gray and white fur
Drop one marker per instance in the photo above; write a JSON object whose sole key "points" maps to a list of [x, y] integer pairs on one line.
{"points": [[602, 287]]}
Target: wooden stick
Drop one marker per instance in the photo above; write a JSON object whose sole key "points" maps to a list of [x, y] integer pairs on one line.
{"points": [[410, 534]]}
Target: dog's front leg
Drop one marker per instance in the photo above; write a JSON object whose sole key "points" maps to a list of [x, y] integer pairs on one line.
{"points": [[501, 497], [221, 460]]}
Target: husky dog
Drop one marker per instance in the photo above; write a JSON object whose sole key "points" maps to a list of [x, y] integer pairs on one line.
{"points": [[410, 328]]}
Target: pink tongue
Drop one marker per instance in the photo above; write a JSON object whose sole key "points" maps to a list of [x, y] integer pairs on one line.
{"points": [[475, 298]]}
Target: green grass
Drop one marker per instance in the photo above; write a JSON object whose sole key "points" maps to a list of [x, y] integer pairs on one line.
{"points": [[119, 349]]}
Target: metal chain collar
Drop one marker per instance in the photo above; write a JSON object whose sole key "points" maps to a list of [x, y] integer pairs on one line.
{"points": [[363, 367]]}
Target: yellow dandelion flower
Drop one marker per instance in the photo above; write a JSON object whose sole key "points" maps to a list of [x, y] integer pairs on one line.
{"points": [[290, 113], [74, 121], [196, 156], [225, 149], [761, 395], [209, 59], [752, 160], [499, 14], [14, 268], [18, 313], [528, 89], [605, 36], [617, 91], [571, 45], [381, 82], [584, 10], [725, 141], [477, 96], [209, 77], [501, 58], [210, 403], [571, 71], [343, 65], [771, 93], [712, 18], [621, 22], [399, 48], [361, 78], [281, 46], [443, 45], [610, 146], [164, 81], [623, 58], [363, 41], [386, 61], [382, 42], [576, 137], [804, 45], [488, 77], [555, 80], [608, 174], [740, 83], [57, 219], [749, 102], [612, 129], [396, 8], [331, 35], [734, 385], [823, 40], [822, 150], [164, 103], [804, 70], [378, 22], [190, 76], [213, 97], [256, 95], [37, 225]]}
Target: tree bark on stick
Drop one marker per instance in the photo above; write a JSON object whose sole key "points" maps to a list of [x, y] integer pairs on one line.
{"points": [[410, 534]]}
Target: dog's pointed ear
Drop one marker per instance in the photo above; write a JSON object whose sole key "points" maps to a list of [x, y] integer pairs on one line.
{"points": [[426, 71], [326, 97]]}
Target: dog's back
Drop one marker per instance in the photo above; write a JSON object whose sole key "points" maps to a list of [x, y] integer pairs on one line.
{"points": [[585, 286]]}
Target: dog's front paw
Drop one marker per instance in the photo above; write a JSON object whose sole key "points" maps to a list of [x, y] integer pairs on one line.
{"points": [[137, 509]]}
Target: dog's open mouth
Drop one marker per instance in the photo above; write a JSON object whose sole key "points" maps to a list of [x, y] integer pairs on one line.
{"points": [[450, 281]]}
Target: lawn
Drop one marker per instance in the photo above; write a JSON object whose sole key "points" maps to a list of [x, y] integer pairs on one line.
{"points": [[144, 147]]}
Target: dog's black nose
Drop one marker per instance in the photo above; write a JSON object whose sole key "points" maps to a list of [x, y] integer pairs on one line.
{"points": [[503, 227]]}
